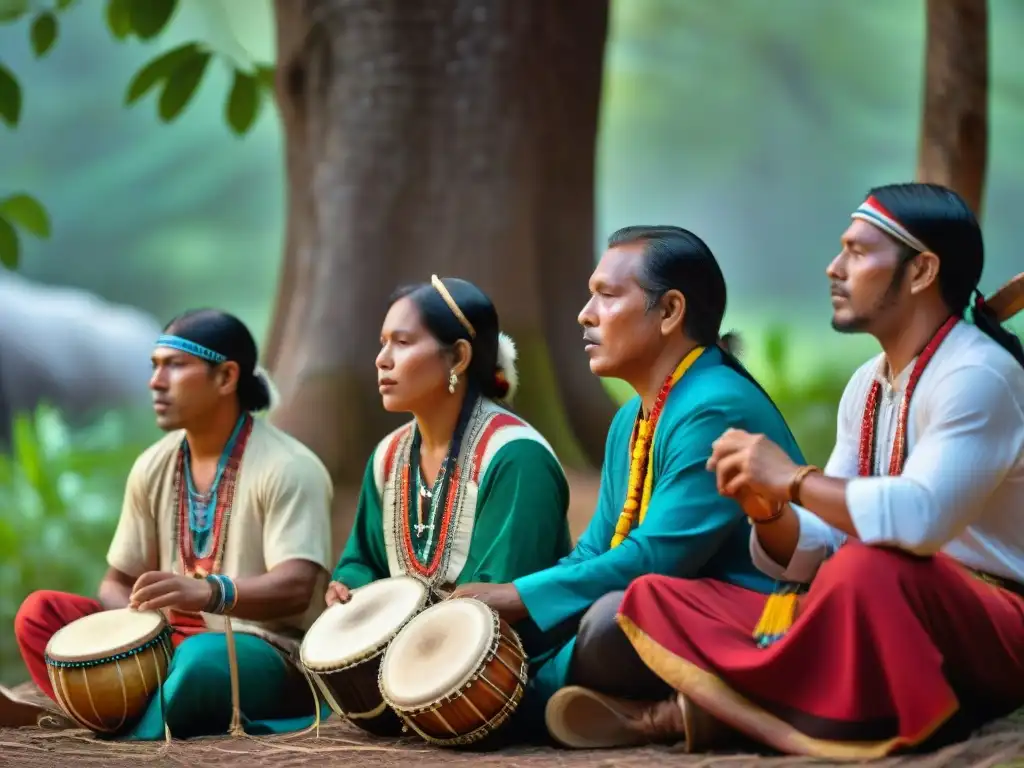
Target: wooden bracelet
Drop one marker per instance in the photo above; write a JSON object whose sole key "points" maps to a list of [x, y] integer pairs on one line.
{"points": [[798, 478], [780, 510]]}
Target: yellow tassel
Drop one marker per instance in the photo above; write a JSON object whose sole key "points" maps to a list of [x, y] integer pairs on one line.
{"points": [[778, 615]]}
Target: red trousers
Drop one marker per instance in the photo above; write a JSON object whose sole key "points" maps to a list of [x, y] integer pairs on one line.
{"points": [[45, 612], [887, 650]]}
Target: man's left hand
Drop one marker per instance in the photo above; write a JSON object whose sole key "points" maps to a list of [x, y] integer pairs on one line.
{"points": [[503, 598], [742, 461], [155, 589]]}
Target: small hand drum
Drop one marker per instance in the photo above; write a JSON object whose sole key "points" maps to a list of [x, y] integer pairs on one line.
{"points": [[455, 673], [106, 667], [342, 650]]}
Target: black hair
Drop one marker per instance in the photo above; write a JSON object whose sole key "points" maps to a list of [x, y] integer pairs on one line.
{"points": [[226, 334], [942, 221], [676, 259]]}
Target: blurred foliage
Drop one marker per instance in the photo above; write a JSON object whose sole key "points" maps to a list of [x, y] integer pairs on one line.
{"points": [[60, 497], [176, 73], [808, 398]]}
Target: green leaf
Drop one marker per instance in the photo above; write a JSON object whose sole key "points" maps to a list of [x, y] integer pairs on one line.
{"points": [[181, 85], [265, 75], [28, 213], [43, 33], [244, 102], [10, 247], [63, 5], [149, 17], [119, 19], [10, 97], [777, 350], [12, 10], [160, 68]]}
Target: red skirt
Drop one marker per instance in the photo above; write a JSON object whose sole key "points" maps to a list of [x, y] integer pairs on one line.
{"points": [[886, 649]]}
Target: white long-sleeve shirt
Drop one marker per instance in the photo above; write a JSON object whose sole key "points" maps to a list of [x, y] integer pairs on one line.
{"points": [[962, 487]]}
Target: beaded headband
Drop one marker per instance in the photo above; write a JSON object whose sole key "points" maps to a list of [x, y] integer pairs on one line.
{"points": [[191, 347], [874, 212], [439, 286]]}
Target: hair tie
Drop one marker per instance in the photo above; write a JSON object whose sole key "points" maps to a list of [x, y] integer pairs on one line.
{"points": [[979, 299], [505, 374]]}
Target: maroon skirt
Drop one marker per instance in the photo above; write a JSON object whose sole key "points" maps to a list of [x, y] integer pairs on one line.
{"points": [[885, 650]]}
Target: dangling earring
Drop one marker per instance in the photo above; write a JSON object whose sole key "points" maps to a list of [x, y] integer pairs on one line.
{"points": [[453, 380]]}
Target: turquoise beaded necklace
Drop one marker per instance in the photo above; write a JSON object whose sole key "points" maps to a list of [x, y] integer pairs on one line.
{"points": [[202, 507]]}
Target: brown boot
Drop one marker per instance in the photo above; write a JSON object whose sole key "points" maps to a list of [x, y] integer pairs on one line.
{"points": [[16, 712], [705, 732], [580, 718]]}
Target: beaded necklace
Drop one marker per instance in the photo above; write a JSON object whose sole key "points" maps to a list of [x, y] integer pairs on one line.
{"points": [[641, 448], [869, 423], [425, 540], [203, 517]]}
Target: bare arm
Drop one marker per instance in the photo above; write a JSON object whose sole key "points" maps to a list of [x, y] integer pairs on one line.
{"points": [[115, 589], [826, 497], [778, 538], [285, 591]]}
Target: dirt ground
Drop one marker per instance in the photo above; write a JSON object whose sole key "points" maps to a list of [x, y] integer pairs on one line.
{"points": [[1000, 745]]}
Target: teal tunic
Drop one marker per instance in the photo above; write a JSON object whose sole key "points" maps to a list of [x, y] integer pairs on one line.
{"points": [[689, 531]]}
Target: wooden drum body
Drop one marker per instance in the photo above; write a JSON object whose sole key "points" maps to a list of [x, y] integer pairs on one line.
{"points": [[455, 673], [106, 667], [342, 651]]}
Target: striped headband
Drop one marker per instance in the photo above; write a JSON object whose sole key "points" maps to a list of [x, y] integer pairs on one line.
{"points": [[874, 213], [190, 347], [436, 282]]}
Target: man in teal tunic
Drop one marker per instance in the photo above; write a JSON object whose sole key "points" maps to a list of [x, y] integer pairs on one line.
{"points": [[654, 320]]}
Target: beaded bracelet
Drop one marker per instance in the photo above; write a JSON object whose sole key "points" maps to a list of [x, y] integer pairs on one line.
{"points": [[230, 592], [216, 594], [224, 596]]}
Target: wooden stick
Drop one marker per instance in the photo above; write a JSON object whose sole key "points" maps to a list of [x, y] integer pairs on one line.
{"points": [[236, 707], [1008, 300]]}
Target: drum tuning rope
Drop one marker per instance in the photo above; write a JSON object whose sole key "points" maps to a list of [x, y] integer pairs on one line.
{"points": [[236, 730]]}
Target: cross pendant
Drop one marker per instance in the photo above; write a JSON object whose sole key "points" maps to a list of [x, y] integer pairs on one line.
{"points": [[420, 528]]}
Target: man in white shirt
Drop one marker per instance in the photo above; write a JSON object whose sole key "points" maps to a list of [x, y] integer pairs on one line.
{"points": [[911, 632]]}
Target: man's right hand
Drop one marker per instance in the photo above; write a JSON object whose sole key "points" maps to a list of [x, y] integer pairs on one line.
{"points": [[337, 593]]}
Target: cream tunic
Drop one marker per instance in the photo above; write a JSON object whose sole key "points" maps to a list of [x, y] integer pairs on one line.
{"points": [[280, 512]]}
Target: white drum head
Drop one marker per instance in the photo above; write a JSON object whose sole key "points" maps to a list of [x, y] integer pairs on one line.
{"points": [[348, 631], [437, 652], [103, 634]]}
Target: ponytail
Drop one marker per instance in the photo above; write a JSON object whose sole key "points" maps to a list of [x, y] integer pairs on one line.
{"points": [[731, 348], [256, 392], [987, 321]]}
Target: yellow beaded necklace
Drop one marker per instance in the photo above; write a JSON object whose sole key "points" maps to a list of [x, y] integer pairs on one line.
{"points": [[641, 449]]}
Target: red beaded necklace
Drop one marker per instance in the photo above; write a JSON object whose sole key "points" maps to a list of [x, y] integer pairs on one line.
{"points": [[866, 457]]}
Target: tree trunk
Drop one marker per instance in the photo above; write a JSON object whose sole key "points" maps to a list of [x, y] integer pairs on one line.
{"points": [[954, 129], [454, 137]]}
